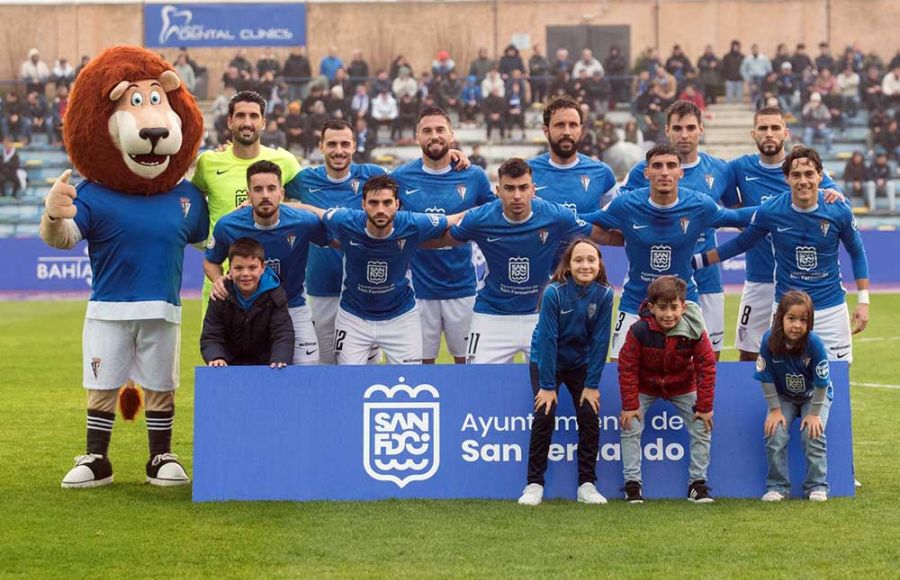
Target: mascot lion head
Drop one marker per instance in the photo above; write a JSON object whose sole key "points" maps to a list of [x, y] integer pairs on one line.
{"points": [[130, 125]]}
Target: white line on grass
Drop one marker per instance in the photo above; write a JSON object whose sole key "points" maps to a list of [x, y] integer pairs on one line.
{"points": [[875, 385]]}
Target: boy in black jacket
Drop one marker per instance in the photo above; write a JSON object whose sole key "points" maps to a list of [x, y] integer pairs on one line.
{"points": [[252, 326]]}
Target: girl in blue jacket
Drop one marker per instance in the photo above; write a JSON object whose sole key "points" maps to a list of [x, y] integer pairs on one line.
{"points": [[570, 345]]}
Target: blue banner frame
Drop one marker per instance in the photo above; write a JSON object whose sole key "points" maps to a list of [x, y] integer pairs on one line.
{"points": [[205, 25], [378, 432]]}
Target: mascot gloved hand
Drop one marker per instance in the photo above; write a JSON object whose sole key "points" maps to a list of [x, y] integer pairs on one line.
{"points": [[132, 131]]}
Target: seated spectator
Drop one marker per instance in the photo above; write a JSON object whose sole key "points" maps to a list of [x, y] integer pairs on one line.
{"points": [[578, 88], [607, 135], [817, 122], [58, 113], [890, 86], [34, 72], [559, 87], [10, 169], [441, 65], [297, 72], [511, 61], [318, 91], [587, 63], [651, 108], [632, 132], [481, 65], [341, 79], [471, 98], [495, 112], [398, 63], [515, 78], [407, 113], [404, 84], [384, 111], [786, 85], [236, 79], [241, 63], [668, 86], [678, 65], [185, 72], [336, 105], [448, 93], [888, 141], [768, 87], [85, 59], [252, 326], [882, 182], [363, 147], [273, 136], [63, 73], [848, 86], [493, 83], [294, 126], [781, 56], [267, 86], [538, 75], [476, 158], [360, 103], [358, 71], [690, 93], [599, 92], [870, 89], [561, 63], [314, 121], [515, 110], [38, 116], [856, 174], [15, 122]]}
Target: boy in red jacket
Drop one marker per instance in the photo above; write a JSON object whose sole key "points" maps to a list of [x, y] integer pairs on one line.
{"points": [[667, 355]]}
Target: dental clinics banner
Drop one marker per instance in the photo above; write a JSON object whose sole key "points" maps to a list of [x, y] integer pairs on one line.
{"points": [[202, 25]]}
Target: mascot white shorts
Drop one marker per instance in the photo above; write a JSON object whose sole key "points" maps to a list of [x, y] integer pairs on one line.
{"points": [[145, 351]]}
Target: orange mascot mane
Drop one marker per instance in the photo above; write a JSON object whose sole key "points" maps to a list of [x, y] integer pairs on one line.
{"points": [[86, 126]]}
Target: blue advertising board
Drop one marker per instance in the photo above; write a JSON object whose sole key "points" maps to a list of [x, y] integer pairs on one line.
{"points": [[377, 432], [198, 25]]}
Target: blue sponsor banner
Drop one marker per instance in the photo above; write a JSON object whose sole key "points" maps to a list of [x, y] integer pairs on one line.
{"points": [[197, 25], [377, 432]]}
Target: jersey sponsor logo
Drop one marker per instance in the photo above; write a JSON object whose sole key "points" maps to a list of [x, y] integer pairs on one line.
{"points": [[585, 182], [592, 310], [275, 265], [710, 179], [354, 185], [760, 363], [412, 191], [807, 259], [542, 234], [519, 269], [660, 258], [291, 240], [795, 383], [240, 196], [822, 369], [571, 207], [376, 271], [461, 190], [96, 363], [434, 219], [185, 205], [684, 222], [824, 226], [401, 432]]}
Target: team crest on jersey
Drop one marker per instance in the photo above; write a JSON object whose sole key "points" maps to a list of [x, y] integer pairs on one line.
{"points": [[461, 190], [585, 182], [760, 364], [435, 209], [519, 269], [660, 258], [824, 225], [401, 432], [275, 265], [542, 234], [571, 207], [807, 259], [291, 240], [96, 363], [376, 272], [240, 196], [185, 205], [822, 369], [710, 179], [354, 185], [401, 244], [592, 310], [795, 383], [435, 219], [684, 222]]}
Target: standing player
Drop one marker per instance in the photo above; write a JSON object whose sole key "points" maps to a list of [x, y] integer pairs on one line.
{"points": [[757, 178], [703, 173], [222, 175], [444, 278], [337, 184], [661, 225], [806, 234], [378, 306], [285, 234], [520, 237], [565, 176]]}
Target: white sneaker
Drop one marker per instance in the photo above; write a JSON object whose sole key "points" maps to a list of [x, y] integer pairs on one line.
{"points": [[773, 496], [818, 495], [532, 494], [587, 493], [164, 470], [856, 483], [91, 470]]}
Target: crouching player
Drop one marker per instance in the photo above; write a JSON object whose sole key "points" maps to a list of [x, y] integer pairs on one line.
{"points": [[795, 376], [252, 326], [667, 354], [569, 345]]}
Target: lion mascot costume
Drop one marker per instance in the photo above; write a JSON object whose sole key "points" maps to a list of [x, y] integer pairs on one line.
{"points": [[132, 130]]}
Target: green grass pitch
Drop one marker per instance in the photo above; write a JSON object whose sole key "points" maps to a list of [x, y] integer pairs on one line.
{"points": [[131, 529]]}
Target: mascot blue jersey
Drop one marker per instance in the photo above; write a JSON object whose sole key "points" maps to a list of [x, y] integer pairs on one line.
{"points": [[136, 247]]}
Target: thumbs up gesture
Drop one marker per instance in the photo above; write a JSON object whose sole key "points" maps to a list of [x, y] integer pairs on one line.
{"points": [[59, 202]]}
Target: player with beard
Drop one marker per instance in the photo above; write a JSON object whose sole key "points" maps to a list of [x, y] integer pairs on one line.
{"points": [[338, 183], [285, 234], [222, 175], [705, 174], [564, 175], [444, 278], [753, 179]]}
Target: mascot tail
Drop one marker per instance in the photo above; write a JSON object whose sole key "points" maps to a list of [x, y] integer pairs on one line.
{"points": [[131, 399]]}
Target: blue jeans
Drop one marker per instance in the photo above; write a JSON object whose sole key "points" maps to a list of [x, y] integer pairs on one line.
{"points": [[810, 133], [700, 439], [734, 91], [778, 478]]}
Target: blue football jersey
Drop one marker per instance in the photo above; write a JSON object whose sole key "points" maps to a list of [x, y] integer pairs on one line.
{"points": [[750, 183], [444, 273], [707, 175], [286, 244], [806, 246], [518, 255], [313, 186], [659, 240], [583, 187], [376, 286], [136, 247], [794, 376]]}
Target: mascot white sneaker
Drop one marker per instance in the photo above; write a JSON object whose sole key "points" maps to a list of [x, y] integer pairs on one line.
{"points": [[132, 131]]}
